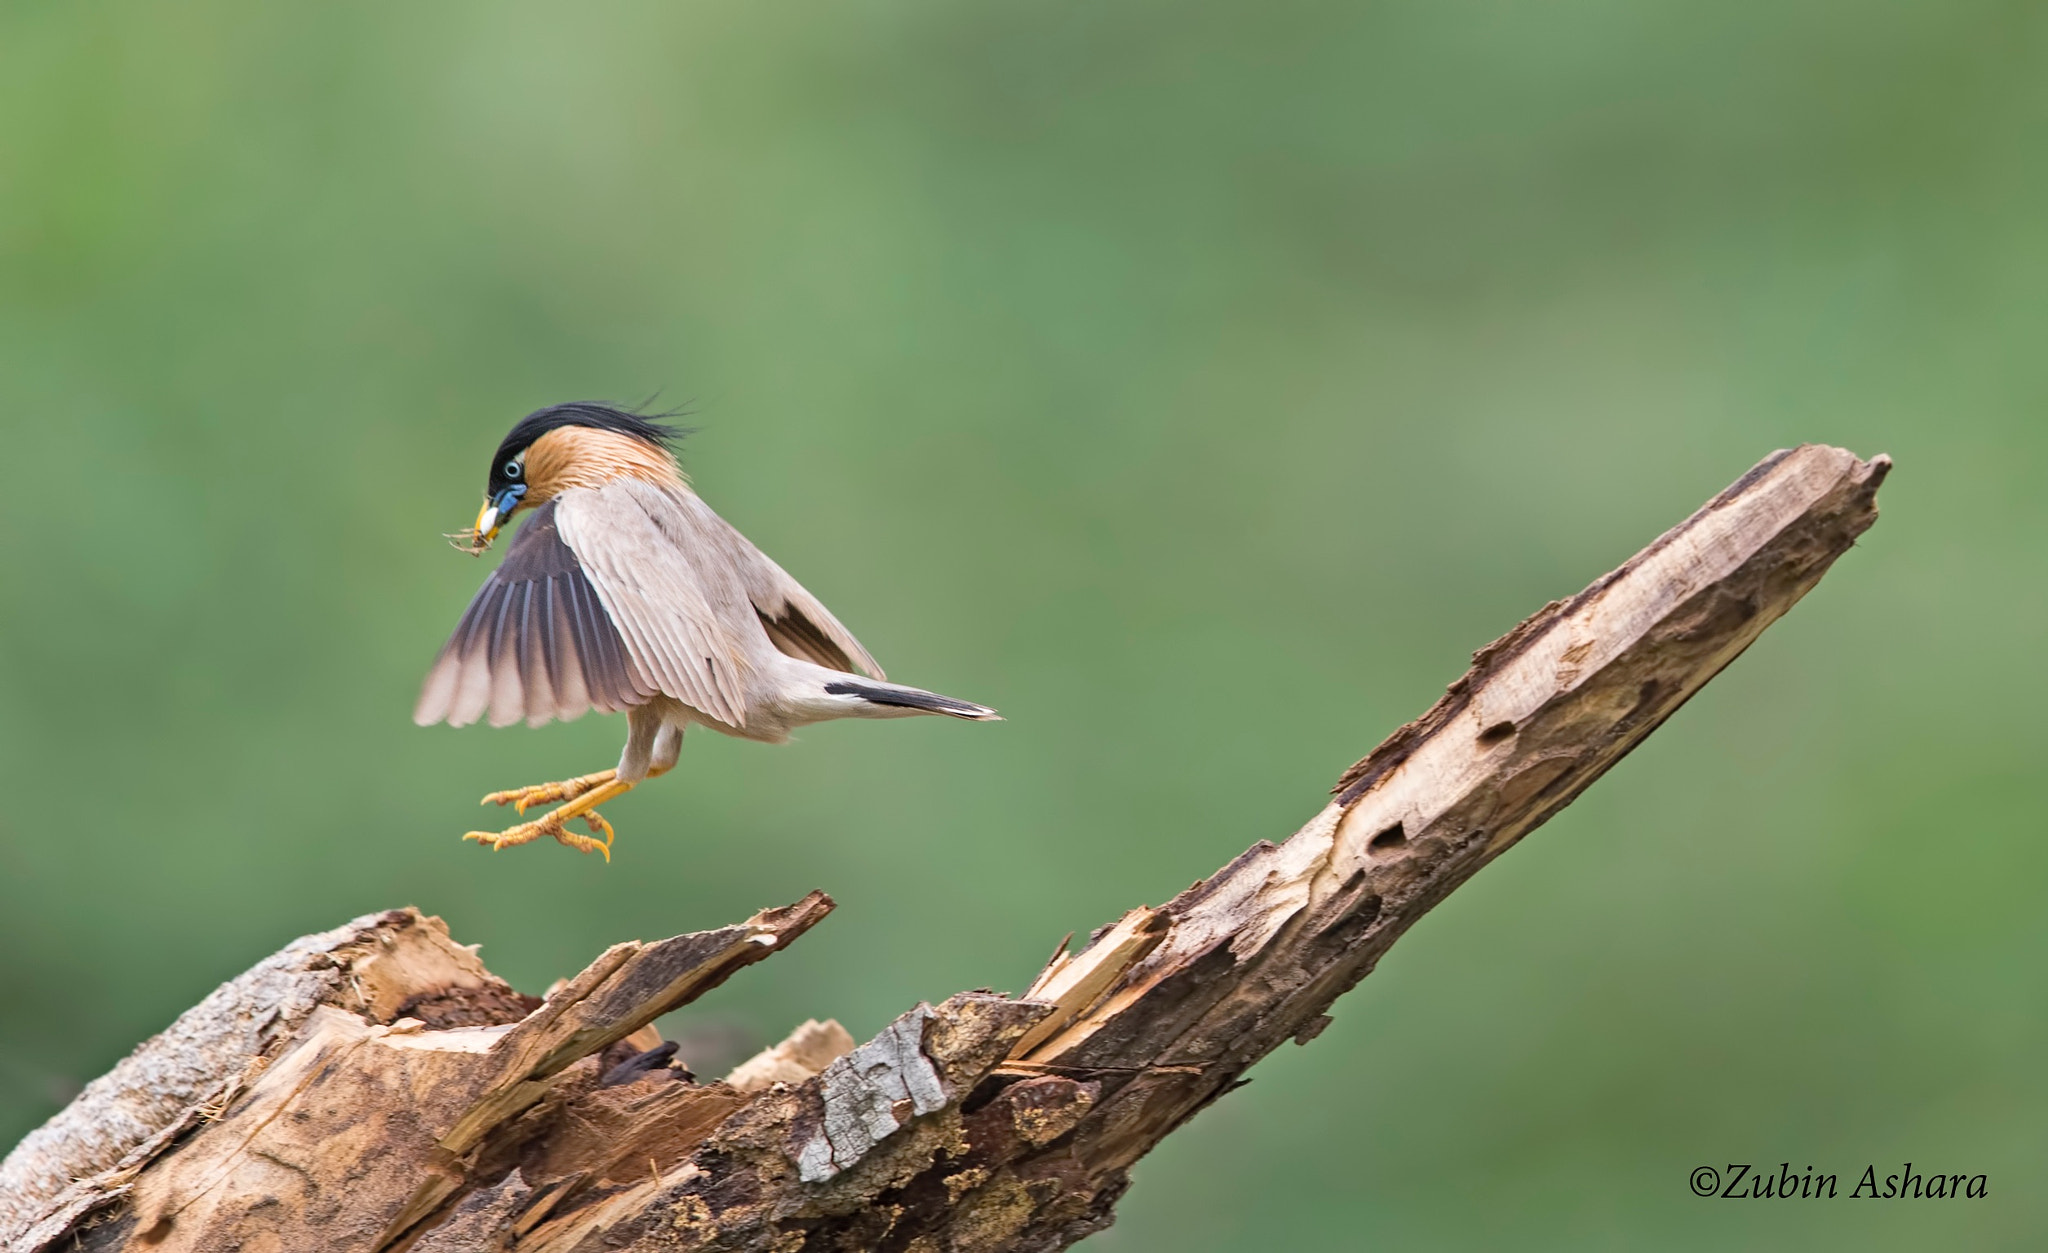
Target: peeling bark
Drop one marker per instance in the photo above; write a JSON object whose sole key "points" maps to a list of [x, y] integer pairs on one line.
{"points": [[374, 1088]]}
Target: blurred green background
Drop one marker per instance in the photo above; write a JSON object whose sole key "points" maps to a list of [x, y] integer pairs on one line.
{"points": [[1199, 383]]}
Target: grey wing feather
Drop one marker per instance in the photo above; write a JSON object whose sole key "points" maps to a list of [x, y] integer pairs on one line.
{"points": [[697, 606], [535, 643], [795, 621], [680, 610]]}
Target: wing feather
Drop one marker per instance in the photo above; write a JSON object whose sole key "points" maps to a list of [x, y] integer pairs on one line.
{"points": [[534, 643], [533, 646], [622, 685], [473, 688], [797, 623], [694, 610], [683, 620]]}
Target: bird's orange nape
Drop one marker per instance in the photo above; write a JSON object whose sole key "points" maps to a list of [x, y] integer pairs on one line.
{"points": [[580, 456]]}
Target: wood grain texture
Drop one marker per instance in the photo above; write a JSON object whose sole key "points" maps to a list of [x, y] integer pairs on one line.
{"points": [[354, 1125], [985, 1123], [377, 967], [804, 1052]]}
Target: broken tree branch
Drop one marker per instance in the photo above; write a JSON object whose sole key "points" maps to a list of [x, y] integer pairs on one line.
{"points": [[375, 1089]]}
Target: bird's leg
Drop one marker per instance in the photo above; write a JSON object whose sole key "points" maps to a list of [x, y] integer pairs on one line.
{"points": [[551, 823], [595, 820], [547, 793]]}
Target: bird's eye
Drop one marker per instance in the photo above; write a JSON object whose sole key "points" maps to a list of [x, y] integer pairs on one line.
{"points": [[513, 470]]}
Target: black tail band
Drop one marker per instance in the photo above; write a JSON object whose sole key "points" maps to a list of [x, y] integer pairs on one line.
{"points": [[931, 702]]}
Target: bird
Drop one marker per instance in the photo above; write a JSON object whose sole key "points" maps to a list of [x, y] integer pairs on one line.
{"points": [[623, 592]]}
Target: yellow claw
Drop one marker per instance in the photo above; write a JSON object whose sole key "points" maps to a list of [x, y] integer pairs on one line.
{"points": [[543, 793], [584, 844], [590, 792], [550, 826], [508, 797], [511, 837]]}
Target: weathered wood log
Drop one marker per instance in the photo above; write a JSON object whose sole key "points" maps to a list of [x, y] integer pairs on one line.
{"points": [[374, 1088]]}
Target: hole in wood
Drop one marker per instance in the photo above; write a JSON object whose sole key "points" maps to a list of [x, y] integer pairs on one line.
{"points": [[1392, 838], [1496, 733]]}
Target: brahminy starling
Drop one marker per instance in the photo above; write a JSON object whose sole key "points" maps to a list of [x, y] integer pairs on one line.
{"points": [[624, 591]]}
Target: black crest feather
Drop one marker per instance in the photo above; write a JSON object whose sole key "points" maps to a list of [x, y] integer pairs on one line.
{"points": [[649, 428]]}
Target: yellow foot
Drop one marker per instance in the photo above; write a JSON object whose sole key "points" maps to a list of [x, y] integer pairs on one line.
{"points": [[553, 825], [548, 793]]}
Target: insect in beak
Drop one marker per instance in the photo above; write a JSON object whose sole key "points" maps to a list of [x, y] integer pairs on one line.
{"points": [[489, 520]]}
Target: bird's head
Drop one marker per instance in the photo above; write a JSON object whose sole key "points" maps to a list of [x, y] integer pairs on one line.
{"points": [[551, 450]]}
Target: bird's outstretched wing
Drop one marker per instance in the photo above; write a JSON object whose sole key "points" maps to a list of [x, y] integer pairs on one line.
{"points": [[797, 624], [536, 643], [696, 604]]}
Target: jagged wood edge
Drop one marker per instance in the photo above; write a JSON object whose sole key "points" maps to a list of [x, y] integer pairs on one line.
{"points": [[1036, 1158], [87, 1153], [368, 973]]}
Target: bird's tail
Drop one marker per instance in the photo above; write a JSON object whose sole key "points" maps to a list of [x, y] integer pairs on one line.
{"points": [[894, 696]]}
